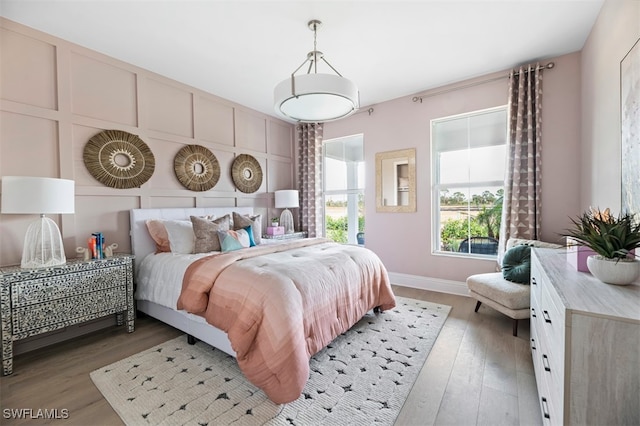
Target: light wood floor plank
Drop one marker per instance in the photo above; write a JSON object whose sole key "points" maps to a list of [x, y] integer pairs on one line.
{"points": [[528, 407], [497, 408]]}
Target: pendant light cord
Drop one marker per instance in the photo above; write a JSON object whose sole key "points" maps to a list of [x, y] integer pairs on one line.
{"points": [[315, 49]]}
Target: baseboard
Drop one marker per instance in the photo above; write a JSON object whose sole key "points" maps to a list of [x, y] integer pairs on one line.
{"points": [[432, 284]]}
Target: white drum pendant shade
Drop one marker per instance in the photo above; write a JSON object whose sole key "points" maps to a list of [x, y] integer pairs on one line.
{"points": [[43, 245], [318, 98]]}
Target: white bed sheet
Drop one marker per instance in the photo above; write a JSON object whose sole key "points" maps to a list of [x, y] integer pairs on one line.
{"points": [[160, 277]]}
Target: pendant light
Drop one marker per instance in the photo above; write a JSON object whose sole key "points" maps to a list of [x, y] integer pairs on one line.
{"points": [[316, 97]]}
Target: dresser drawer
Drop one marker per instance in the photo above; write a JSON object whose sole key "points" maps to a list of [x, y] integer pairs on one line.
{"points": [[536, 277], [67, 285], [552, 319], [535, 316], [545, 399], [546, 367], [55, 314]]}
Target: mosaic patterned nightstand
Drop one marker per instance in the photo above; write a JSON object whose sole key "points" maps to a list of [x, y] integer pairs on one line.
{"points": [[35, 301]]}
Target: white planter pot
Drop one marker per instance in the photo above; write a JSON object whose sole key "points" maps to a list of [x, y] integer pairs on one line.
{"points": [[610, 271]]}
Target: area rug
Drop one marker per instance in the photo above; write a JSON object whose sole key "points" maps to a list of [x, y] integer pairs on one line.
{"points": [[363, 377]]}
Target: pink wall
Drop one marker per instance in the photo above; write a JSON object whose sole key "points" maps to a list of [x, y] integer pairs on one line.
{"points": [[56, 95], [403, 240], [614, 33]]}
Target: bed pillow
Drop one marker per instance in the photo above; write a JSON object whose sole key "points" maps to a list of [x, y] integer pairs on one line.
{"points": [[206, 233], [181, 236], [242, 221], [158, 233], [235, 239], [516, 264]]}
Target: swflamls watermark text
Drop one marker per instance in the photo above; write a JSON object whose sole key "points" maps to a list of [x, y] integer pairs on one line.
{"points": [[35, 413]]}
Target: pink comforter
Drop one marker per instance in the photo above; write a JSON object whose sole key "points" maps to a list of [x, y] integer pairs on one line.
{"points": [[282, 303]]}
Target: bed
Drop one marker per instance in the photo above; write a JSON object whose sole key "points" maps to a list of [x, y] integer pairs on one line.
{"points": [[271, 306]]}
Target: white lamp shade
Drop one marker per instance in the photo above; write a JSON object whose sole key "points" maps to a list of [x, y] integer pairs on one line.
{"points": [[37, 195], [318, 98], [287, 198]]}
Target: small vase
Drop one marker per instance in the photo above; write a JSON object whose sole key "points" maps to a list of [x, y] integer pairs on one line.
{"points": [[612, 271]]}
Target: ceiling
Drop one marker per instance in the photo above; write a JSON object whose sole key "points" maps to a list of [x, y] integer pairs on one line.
{"points": [[240, 50]]}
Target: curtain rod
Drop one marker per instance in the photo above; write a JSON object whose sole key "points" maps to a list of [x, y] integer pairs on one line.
{"points": [[418, 98], [369, 110]]}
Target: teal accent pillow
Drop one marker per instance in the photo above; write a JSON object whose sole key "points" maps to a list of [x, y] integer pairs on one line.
{"points": [[236, 240], [516, 264]]}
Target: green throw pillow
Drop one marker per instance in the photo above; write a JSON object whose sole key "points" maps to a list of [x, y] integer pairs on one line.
{"points": [[516, 264]]}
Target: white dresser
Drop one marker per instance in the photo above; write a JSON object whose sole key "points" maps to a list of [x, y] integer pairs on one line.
{"points": [[585, 344]]}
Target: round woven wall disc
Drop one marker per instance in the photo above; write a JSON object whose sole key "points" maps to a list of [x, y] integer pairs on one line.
{"points": [[246, 173], [119, 159], [196, 168]]}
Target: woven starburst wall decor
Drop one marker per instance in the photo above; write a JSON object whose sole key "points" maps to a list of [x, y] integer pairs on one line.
{"points": [[119, 159], [246, 173], [196, 168]]}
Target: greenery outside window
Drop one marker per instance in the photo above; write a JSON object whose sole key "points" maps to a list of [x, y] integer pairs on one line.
{"points": [[343, 176], [468, 163]]}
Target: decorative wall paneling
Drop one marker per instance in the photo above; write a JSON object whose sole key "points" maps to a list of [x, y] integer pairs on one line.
{"points": [[55, 95]]}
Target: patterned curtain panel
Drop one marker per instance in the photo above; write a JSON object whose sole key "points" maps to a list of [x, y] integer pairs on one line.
{"points": [[310, 179], [521, 206]]}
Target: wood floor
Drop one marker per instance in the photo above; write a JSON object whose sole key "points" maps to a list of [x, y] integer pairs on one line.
{"points": [[477, 372]]}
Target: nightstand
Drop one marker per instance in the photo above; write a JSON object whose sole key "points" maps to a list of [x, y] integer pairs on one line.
{"points": [[294, 236], [36, 301]]}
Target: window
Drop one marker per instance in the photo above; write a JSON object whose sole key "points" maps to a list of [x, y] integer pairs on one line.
{"points": [[469, 159], [344, 189]]}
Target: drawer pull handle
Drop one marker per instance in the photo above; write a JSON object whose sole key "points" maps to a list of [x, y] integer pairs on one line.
{"points": [[545, 363], [533, 281], [545, 408], [546, 317], [533, 344], [533, 312]]}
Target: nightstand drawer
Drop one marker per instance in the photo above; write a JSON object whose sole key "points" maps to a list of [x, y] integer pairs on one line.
{"points": [[63, 286], [52, 315]]}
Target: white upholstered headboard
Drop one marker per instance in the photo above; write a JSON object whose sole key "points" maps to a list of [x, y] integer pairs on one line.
{"points": [[141, 242]]}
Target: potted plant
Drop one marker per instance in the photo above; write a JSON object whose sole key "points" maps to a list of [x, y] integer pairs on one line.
{"points": [[613, 239], [275, 221]]}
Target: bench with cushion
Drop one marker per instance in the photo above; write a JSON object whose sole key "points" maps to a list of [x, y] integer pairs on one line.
{"points": [[507, 296]]}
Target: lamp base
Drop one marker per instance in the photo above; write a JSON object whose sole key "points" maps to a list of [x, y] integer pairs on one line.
{"points": [[43, 245], [286, 220]]}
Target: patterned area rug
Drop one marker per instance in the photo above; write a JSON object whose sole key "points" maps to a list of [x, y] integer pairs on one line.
{"points": [[362, 377]]}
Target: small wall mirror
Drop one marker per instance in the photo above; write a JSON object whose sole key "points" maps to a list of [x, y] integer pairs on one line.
{"points": [[396, 181]]}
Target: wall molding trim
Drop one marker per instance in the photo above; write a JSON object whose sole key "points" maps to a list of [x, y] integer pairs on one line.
{"points": [[428, 283]]}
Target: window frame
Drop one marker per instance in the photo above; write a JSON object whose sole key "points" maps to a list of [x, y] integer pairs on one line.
{"points": [[353, 193], [437, 187]]}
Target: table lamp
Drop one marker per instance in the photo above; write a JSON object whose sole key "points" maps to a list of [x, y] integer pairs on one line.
{"points": [[287, 199], [38, 195]]}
